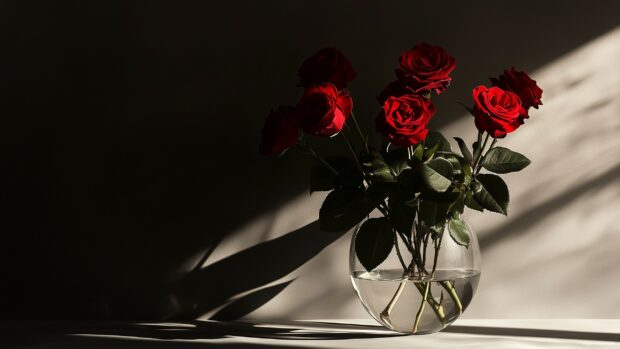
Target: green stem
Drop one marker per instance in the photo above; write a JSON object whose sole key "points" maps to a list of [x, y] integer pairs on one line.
{"points": [[478, 150], [437, 248], [418, 316], [306, 149], [383, 208], [479, 165], [359, 132], [385, 314], [446, 284], [484, 144], [425, 244], [452, 292], [436, 306], [400, 257], [352, 150]]}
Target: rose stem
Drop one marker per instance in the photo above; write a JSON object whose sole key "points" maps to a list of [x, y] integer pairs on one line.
{"points": [[385, 314], [478, 150], [400, 257], [418, 316], [479, 165], [425, 239], [437, 248], [359, 132], [305, 149], [450, 288], [427, 285], [446, 284], [484, 144], [437, 307], [346, 140]]}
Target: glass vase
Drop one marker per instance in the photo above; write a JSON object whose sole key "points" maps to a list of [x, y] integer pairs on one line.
{"points": [[423, 296]]}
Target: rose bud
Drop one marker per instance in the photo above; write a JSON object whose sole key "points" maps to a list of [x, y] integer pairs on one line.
{"points": [[404, 119], [327, 65], [497, 111]]}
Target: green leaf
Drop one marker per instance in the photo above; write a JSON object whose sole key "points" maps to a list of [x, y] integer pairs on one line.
{"points": [[467, 173], [435, 137], [418, 151], [409, 185], [402, 214], [397, 159], [491, 193], [471, 203], [430, 152], [445, 197], [504, 160], [322, 179], [476, 149], [437, 174], [376, 168], [374, 242], [459, 231], [432, 213], [458, 206], [343, 208], [454, 159], [466, 153]]}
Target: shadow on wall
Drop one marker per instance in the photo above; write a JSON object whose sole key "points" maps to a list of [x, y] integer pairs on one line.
{"points": [[247, 270], [128, 133]]}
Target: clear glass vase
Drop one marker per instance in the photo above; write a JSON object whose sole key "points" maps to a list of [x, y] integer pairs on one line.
{"points": [[419, 299]]}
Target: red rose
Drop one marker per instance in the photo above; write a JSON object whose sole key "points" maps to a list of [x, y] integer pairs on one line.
{"points": [[521, 84], [323, 110], [496, 111], [404, 119], [426, 68], [280, 131], [327, 65]]}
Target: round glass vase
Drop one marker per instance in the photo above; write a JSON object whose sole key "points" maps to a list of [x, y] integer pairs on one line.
{"points": [[425, 298]]}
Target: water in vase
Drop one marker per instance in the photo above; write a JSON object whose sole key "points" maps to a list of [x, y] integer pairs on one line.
{"points": [[415, 304]]}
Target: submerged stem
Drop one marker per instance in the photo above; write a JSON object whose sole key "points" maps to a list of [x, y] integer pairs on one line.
{"points": [[385, 314], [447, 285], [418, 316]]}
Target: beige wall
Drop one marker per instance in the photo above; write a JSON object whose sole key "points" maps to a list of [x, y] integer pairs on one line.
{"points": [[555, 255]]}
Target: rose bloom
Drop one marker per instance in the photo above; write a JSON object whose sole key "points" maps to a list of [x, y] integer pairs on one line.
{"points": [[497, 111], [426, 68], [522, 85], [280, 131], [323, 110], [404, 119], [327, 65]]}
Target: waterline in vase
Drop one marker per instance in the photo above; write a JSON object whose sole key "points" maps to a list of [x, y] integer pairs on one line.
{"points": [[398, 301]]}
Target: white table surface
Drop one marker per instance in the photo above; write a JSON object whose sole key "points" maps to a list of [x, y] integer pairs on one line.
{"points": [[354, 334]]}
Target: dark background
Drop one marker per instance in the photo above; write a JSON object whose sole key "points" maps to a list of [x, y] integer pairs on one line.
{"points": [[129, 130]]}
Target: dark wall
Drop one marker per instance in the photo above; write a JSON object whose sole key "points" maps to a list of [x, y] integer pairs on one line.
{"points": [[129, 130]]}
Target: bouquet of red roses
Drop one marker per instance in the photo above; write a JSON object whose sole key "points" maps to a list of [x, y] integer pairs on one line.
{"points": [[417, 182]]}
